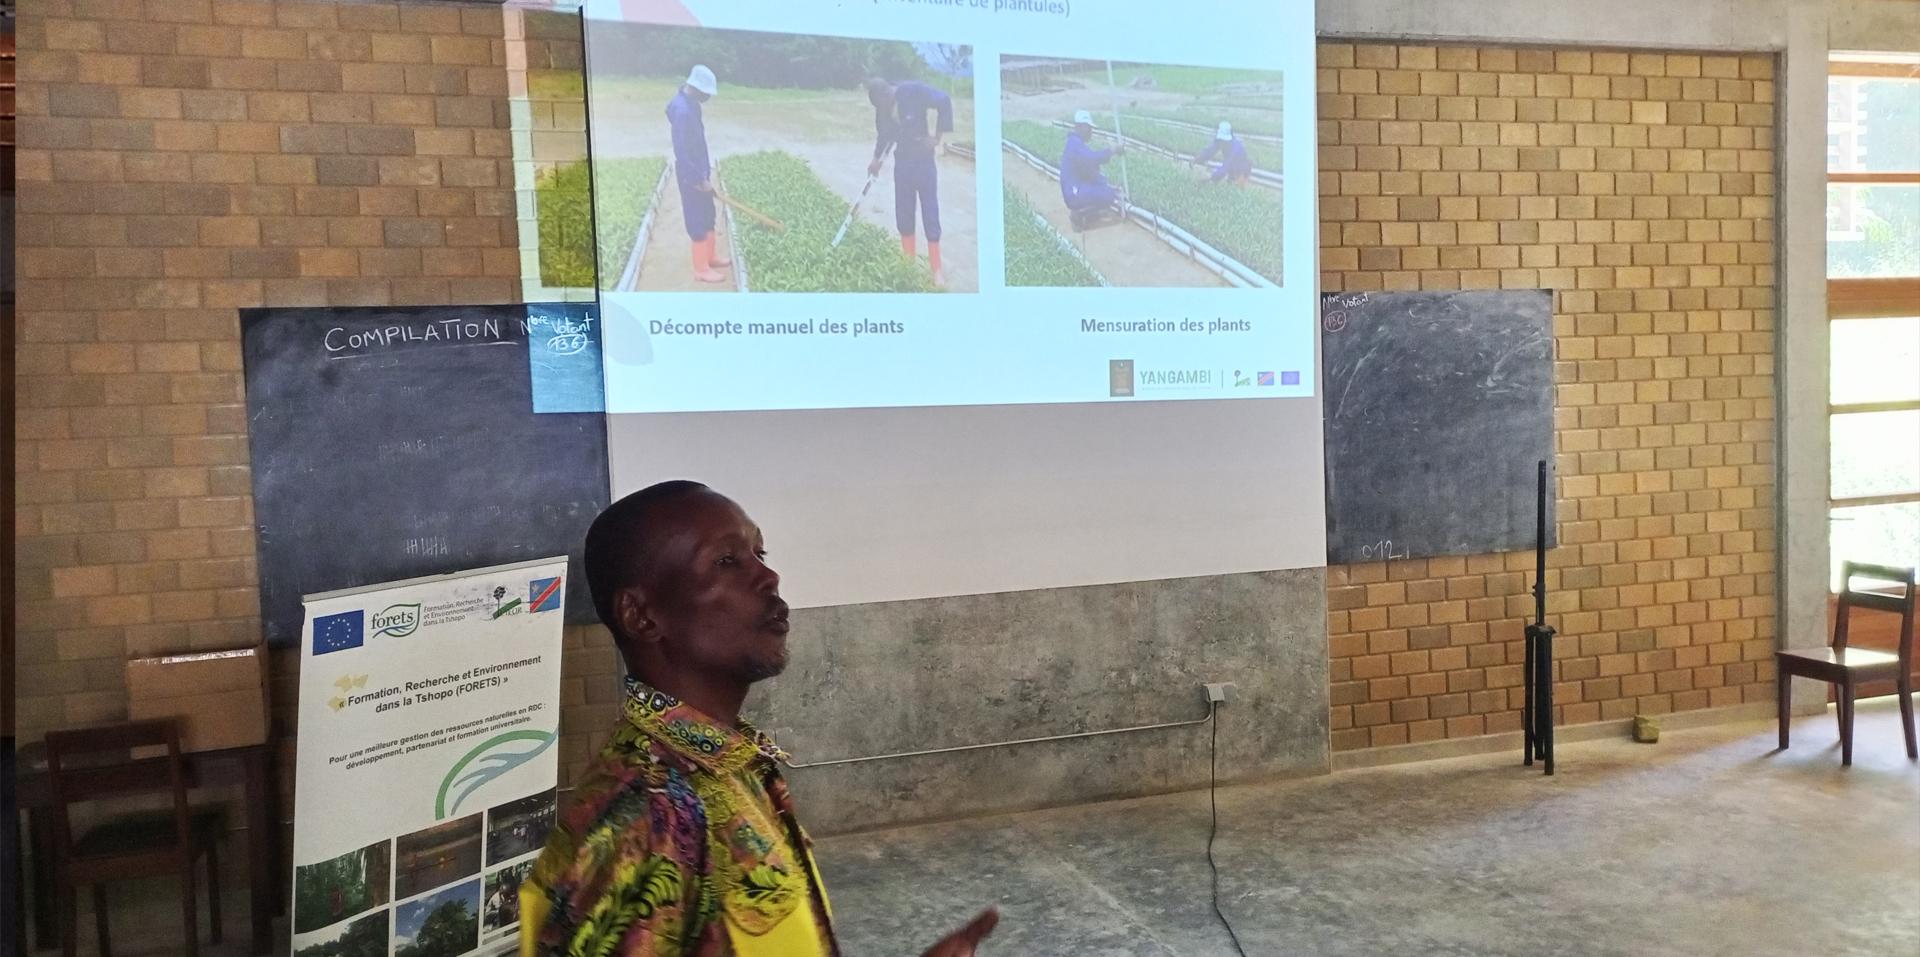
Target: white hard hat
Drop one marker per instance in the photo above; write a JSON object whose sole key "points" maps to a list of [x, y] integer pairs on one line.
{"points": [[701, 78], [1225, 133], [1082, 116]]}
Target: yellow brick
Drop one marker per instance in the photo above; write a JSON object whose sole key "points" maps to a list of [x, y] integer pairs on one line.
{"points": [[1374, 107], [1458, 108], [1335, 55], [1419, 58], [1376, 56], [1357, 81], [1395, 133], [1399, 83]]}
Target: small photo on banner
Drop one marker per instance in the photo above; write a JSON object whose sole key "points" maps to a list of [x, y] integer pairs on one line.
{"points": [[563, 356]]}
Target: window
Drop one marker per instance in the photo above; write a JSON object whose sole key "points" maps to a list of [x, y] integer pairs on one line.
{"points": [[1873, 283]]}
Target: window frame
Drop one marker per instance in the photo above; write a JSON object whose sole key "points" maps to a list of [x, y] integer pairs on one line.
{"points": [[1879, 297]]}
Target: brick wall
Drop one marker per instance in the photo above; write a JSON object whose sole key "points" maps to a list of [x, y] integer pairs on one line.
{"points": [[1640, 188], [181, 159]]}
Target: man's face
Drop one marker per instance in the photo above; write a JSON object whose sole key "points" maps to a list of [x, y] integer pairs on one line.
{"points": [[710, 595], [1082, 130]]}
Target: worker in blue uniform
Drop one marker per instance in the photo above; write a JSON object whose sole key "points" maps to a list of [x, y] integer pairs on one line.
{"points": [[1084, 188], [693, 171], [900, 121], [1235, 165]]}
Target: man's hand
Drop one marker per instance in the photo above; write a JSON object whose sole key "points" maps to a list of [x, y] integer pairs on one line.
{"points": [[961, 943], [704, 186], [873, 168]]}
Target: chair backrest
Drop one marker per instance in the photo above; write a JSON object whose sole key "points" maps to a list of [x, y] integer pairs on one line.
{"points": [[107, 762], [1901, 604]]}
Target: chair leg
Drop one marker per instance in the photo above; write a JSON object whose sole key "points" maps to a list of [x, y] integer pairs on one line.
{"points": [[213, 889], [1784, 696], [190, 906], [1845, 696], [100, 919], [1905, 689], [69, 920], [1840, 710]]}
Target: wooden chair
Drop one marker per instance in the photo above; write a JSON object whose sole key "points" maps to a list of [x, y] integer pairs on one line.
{"points": [[101, 765], [1846, 668]]}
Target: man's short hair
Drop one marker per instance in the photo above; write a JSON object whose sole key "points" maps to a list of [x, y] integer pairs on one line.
{"points": [[877, 89], [621, 540]]}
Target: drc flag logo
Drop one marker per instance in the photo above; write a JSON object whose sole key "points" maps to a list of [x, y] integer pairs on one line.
{"points": [[543, 594], [333, 633]]}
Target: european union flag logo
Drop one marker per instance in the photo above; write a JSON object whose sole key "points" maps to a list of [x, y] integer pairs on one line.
{"points": [[1264, 378], [339, 632], [1289, 378], [543, 594]]}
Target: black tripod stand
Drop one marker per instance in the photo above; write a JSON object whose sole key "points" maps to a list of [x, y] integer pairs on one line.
{"points": [[1537, 674]]}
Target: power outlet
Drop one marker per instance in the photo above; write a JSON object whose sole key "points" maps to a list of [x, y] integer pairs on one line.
{"points": [[1219, 692]]}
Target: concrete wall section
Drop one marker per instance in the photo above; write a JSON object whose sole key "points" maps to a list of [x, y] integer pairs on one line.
{"points": [[1889, 25], [1802, 365], [904, 676], [1646, 24]]}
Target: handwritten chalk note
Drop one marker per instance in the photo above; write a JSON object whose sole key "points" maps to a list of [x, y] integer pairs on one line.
{"points": [[563, 356]]}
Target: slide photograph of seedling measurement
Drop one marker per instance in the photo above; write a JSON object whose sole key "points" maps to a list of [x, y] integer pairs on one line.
{"points": [[744, 161], [1140, 174]]}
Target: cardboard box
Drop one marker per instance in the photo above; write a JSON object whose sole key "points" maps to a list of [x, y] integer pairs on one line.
{"points": [[220, 697]]}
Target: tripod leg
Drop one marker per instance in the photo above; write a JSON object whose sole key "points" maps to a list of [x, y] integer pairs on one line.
{"points": [[1544, 660], [1526, 707]]}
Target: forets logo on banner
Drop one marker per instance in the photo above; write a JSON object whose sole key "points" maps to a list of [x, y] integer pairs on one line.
{"points": [[398, 621]]}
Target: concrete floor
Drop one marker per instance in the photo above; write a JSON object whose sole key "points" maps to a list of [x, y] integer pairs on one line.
{"points": [[1706, 843]]}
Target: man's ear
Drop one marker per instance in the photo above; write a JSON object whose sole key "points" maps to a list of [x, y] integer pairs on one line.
{"points": [[634, 617]]}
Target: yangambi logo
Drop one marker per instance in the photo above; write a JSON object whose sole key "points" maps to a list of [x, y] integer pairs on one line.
{"points": [[397, 620]]}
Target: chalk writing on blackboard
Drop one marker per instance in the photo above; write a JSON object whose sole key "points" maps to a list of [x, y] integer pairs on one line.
{"points": [[1384, 550], [1335, 307], [566, 334], [342, 340]]}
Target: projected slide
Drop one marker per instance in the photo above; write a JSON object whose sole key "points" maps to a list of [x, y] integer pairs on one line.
{"points": [[807, 204]]}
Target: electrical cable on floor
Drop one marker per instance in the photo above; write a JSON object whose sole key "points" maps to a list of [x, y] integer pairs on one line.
{"points": [[1213, 801]]}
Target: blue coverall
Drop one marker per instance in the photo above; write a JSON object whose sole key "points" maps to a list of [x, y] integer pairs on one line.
{"points": [[1082, 185], [916, 180], [691, 166], [1234, 160]]}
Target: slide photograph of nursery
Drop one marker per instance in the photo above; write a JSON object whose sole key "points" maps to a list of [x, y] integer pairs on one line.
{"points": [[742, 161], [1140, 174]]}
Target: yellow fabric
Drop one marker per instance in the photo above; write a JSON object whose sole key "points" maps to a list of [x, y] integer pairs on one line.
{"points": [[798, 935], [680, 841], [533, 915]]}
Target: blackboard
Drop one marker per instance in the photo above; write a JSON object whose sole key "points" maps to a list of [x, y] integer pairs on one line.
{"points": [[393, 443], [1438, 409]]}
